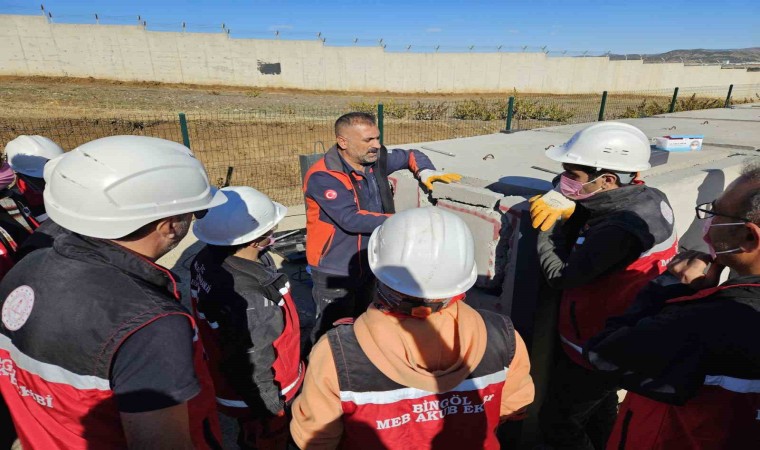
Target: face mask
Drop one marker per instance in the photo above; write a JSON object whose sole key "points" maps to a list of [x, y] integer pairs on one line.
{"points": [[706, 236], [572, 189], [266, 244], [7, 176]]}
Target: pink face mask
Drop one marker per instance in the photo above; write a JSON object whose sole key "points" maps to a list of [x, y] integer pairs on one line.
{"points": [[266, 244], [706, 236], [7, 176], [572, 189]]}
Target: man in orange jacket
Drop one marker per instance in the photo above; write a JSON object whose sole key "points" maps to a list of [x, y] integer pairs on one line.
{"points": [[420, 368], [348, 195]]}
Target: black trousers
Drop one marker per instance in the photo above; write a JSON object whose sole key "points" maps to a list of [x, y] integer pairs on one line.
{"points": [[580, 407], [339, 297]]}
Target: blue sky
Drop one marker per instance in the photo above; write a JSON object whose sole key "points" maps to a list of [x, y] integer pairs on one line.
{"points": [[620, 26]]}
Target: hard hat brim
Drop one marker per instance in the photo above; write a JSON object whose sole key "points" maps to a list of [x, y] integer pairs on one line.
{"points": [[280, 213]]}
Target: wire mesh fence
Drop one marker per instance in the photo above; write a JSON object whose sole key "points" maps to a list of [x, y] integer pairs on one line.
{"points": [[72, 132], [260, 147]]}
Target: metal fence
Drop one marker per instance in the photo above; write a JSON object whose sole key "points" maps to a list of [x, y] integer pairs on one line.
{"points": [[260, 147]]}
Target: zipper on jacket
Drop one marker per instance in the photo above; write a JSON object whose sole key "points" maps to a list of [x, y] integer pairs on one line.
{"points": [[574, 321], [624, 431]]}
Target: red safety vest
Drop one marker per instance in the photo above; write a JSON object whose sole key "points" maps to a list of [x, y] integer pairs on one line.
{"points": [[379, 413], [288, 368], [724, 414], [59, 396], [584, 310]]}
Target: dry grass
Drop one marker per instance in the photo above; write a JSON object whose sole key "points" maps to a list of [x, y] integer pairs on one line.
{"points": [[261, 133]]}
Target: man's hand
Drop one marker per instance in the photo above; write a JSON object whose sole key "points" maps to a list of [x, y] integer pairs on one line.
{"points": [[696, 269], [428, 176], [546, 209]]}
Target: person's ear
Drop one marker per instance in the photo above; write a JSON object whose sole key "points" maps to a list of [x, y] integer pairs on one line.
{"points": [[750, 238], [256, 242], [165, 227], [342, 142], [609, 180]]}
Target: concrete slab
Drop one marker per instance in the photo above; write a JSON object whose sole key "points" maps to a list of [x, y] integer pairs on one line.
{"points": [[518, 159], [726, 133], [749, 112], [747, 106]]}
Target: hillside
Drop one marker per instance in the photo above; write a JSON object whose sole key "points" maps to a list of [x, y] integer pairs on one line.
{"points": [[700, 55]]}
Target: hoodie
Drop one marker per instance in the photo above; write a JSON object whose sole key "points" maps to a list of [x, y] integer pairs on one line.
{"points": [[435, 355]]}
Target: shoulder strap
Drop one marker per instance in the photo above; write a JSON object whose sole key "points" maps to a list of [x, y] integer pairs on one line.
{"points": [[344, 345], [501, 334]]}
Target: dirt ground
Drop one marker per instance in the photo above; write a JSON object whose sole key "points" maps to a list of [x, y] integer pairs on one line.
{"points": [[260, 133]]}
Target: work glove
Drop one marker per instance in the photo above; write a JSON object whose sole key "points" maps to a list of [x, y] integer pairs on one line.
{"points": [[428, 176], [546, 209]]}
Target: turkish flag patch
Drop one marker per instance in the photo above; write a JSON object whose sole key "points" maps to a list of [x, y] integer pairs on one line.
{"points": [[331, 194]]}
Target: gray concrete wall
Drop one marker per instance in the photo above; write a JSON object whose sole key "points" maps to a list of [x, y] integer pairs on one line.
{"points": [[29, 45]]}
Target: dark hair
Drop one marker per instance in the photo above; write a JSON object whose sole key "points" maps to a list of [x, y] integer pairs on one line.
{"points": [[593, 173], [226, 250], [140, 232], [353, 118], [749, 206]]}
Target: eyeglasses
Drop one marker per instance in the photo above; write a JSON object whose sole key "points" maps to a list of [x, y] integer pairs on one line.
{"points": [[707, 210]]}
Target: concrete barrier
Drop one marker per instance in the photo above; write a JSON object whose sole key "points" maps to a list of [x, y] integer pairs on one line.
{"points": [[30, 45]]}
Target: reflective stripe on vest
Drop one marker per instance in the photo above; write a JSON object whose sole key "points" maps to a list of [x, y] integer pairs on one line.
{"points": [[739, 385], [288, 369], [80, 411], [397, 395], [717, 417], [585, 309], [379, 413], [724, 413]]}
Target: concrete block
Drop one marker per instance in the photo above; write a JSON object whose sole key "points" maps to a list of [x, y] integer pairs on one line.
{"points": [[486, 226], [407, 193], [464, 193]]}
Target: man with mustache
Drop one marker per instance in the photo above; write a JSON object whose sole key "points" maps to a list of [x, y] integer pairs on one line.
{"points": [[348, 195], [687, 350]]}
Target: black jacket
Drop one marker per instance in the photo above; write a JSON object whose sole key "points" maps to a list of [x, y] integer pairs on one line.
{"points": [[664, 351], [616, 226], [240, 297]]}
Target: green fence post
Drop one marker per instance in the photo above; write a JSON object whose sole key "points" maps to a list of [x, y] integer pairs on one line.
{"points": [[510, 112], [380, 121], [673, 101], [183, 127], [728, 97], [601, 107]]}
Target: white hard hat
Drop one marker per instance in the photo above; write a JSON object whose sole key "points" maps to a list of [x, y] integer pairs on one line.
{"points": [[28, 154], [110, 187], [606, 145], [247, 215], [424, 252]]}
